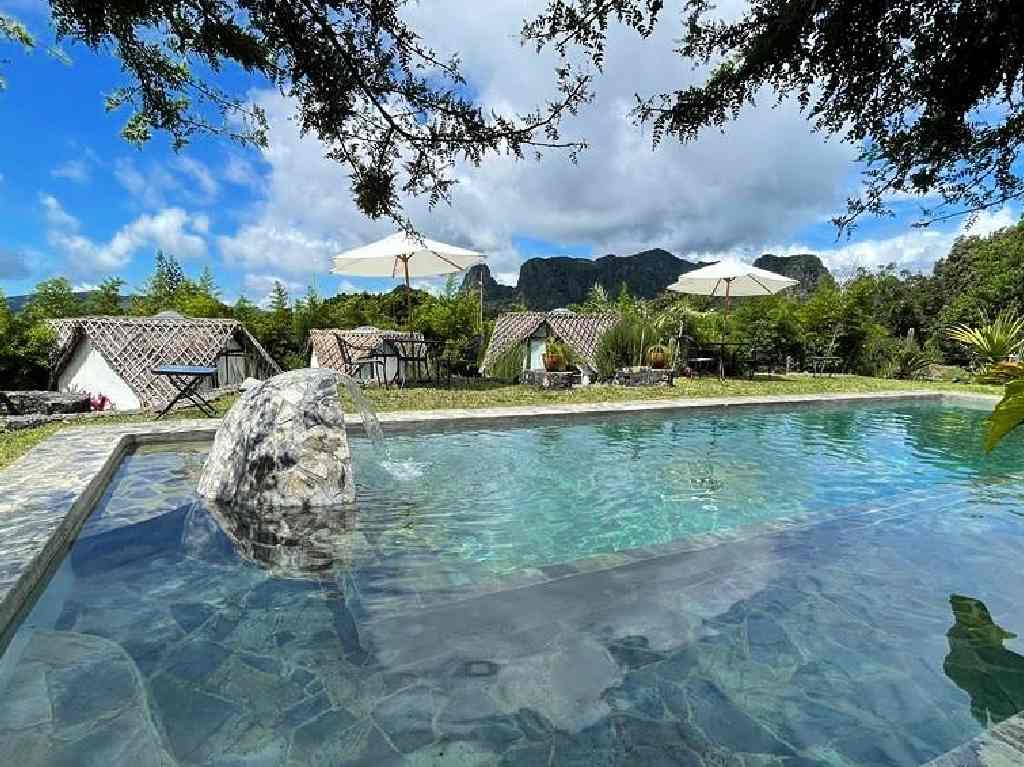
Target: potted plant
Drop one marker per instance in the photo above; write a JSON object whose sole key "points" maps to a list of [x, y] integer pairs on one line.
{"points": [[657, 357], [556, 356]]}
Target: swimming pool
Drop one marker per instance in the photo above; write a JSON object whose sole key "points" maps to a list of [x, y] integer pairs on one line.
{"points": [[793, 587]]}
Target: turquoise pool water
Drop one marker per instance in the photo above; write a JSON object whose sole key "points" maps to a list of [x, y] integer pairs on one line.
{"points": [[812, 587], [559, 490]]}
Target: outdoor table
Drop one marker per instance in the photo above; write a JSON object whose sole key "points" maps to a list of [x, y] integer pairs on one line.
{"points": [[724, 349], [186, 379], [418, 351], [823, 365]]}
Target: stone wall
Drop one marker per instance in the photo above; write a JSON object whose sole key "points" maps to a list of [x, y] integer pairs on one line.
{"points": [[42, 402], [644, 377]]}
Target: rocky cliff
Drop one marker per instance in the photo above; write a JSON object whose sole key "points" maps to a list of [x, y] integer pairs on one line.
{"points": [[551, 283], [805, 267]]}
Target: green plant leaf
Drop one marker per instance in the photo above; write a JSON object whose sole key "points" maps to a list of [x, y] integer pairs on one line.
{"points": [[1007, 416]]}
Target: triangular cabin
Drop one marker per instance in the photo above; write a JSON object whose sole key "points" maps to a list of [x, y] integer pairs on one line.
{"points": [[531, 332], [115, 356]]}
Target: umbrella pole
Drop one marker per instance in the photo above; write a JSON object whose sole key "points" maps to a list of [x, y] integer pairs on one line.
{"points": [[408, 294], [725, 325]]}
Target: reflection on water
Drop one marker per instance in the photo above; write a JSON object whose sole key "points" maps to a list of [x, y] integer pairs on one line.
{"points": [[290, 543], [979, 664]]}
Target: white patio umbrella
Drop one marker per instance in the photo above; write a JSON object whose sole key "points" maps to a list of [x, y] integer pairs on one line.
{"points": [[402, 256], [729, 278]]}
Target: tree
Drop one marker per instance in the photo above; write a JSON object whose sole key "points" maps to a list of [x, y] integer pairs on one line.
{"points": [[105, 299], [453, 318], [207, 284], [25, 344], [981, 276], [390, 109], [163, 288], [53, 299], [13, 31], [276, 328], [929, 91]]}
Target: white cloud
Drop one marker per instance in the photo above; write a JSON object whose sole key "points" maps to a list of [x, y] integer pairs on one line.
{"points": [[206, 186], [155, 185], [766, 178], [15, 264], [77, 171], [240, 171], [284, 247], [56, 216], [434, 287], [148, 188], [261, 285], [171, 229], [915, 250]]}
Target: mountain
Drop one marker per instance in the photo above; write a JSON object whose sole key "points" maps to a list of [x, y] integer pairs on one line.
{"points": [[497, 297], [17, 303], [552, 283], [805, 267]]}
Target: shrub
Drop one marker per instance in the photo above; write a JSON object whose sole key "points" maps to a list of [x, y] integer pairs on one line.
{"points": [[509, 366], [1001, 373], [566, 354], [619, 347], [992, 341], [908, 361]]}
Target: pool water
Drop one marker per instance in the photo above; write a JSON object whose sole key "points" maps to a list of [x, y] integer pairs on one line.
{"points": [[812, 587]]}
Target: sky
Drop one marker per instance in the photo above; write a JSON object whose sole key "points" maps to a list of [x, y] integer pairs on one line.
{"points": [[77, 201]]}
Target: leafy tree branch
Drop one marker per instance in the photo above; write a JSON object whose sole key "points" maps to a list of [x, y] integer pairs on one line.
{"points": [[389, 108]]}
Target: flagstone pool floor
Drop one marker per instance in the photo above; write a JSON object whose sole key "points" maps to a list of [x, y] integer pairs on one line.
{"points": [[746, 649]]}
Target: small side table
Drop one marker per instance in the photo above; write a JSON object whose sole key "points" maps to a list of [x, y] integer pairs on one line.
{"points": [[186, 379]]}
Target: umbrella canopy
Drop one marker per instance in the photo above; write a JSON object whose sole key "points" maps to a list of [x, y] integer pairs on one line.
{"points": [[730, 278], [402, 256]]}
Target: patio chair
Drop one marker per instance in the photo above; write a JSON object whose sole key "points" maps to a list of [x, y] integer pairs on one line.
{"points": [[420, 355], [353, 366]]}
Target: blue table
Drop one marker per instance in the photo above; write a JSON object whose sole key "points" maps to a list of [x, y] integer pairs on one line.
{"points": [[186, 379]]}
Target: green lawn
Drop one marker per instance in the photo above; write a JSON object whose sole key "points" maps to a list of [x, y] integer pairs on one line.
{"points": [[488, 394]]}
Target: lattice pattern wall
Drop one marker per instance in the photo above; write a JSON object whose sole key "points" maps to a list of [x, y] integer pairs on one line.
{"points": [[580, 332], [133, 346], [327, 344]]}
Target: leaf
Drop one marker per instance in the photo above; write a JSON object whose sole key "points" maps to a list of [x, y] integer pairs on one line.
{"points": [[1007, 416]]}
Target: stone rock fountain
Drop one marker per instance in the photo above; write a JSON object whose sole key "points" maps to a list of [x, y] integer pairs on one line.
{"points": [[283, 445]]}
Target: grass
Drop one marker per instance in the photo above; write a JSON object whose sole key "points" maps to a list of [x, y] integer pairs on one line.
{"points": [[489, 394], [14, 444], [479, 394]]}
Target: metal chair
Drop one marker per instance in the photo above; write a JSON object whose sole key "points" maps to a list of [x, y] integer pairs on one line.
{"points": [[353, 366]]}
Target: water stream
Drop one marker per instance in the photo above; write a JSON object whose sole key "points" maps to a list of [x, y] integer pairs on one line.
{"points": [[400, 470], [370, 421]]}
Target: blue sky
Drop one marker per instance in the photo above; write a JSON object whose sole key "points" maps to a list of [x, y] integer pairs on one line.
{"points": [[77, 201]]}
